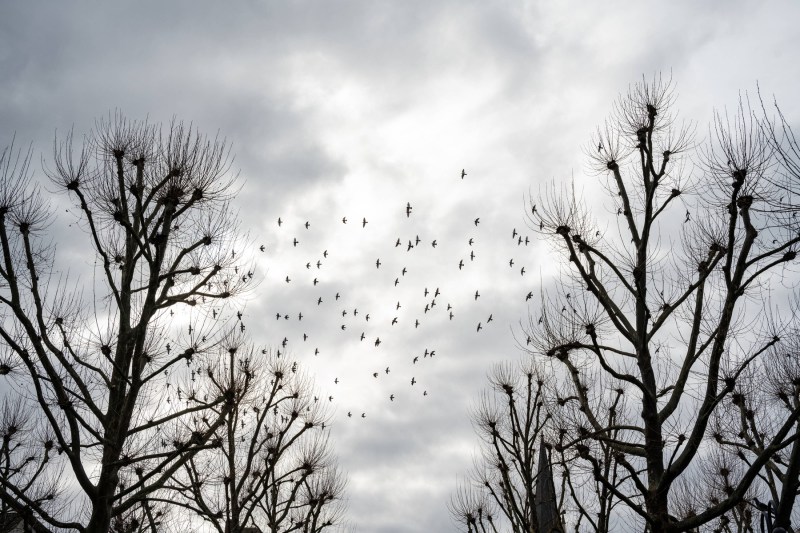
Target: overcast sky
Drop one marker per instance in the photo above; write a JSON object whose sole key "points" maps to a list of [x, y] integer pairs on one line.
{"points": [[354, 109]]}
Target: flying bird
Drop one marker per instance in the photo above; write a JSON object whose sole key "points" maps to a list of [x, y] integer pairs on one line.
{"points": [[479, 326], [408, 209], [413, 381], [308, 224], [529, 296], [262, 247], [397, 243], [378, 341], [463, 173], [344, 220], [279, 221], [434, 243], [461, 264], [364, 222], [477, 221], [477, 295], [378, 263]]}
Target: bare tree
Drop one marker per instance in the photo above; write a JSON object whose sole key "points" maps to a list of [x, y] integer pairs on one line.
{"points": [[273, 467], [512, 476], [91, 429], [683, 330]]}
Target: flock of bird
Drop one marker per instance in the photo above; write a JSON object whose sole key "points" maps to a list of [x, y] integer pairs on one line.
{"points": [[313, 300]]}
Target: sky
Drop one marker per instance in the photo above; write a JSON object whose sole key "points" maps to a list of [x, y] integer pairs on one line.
{"points": [[357, 109]]}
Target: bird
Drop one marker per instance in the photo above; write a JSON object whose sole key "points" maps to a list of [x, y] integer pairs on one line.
{"points": [[426, 292], [262, 247], [397, 306], [344, 220], [319, 263], [280, 221], [514, 234], [436, 293], [471, 240], [391, 397], [374, 374], [479, 326], [378, 263], [529, 296], [477, 295], [425, 393], [316, 281], [337, 296], [396, 281], [296, 242], [416, 323], [325, 254], [434, 243], [344, 327], [408, 209], [416, 358], [377, 341], [511, 262], [344, 312], [451, 315], [397, 243], [413, 381], [387, 370], [410, 246], [319, 301], [477, 221], [463, 173], [287, 279], [336, 381], [417, 240], [362, 335], [472, 255], [489, 319], [364, 222], [308, 224], [367, 317], [522, 272], [394, 321], [688, 216], [316, 351], [403, 272], [363, 415], [461, 264]]}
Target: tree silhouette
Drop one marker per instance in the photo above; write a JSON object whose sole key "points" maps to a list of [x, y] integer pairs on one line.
{"points": [[94, 422], [512, 482], [273, 468], [682, 329]]}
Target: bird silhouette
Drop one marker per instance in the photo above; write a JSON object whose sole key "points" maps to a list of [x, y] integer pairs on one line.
{"points": [[391, 397], [397, 243], [461, 264], [344, 220], [479, 326], [279, 221], [394, 321], [433, 243], [408, 209], [364, 223], [378, 263], [477, 295], [296, 242], [413, 381], [308, 224], [477, 221], [529, 296], [378, 341], [463, 173], [262, 247]]}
